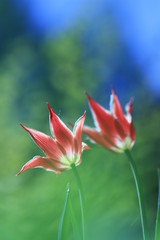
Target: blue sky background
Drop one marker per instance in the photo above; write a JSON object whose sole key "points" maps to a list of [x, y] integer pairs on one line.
{"points": [[137, 21]]}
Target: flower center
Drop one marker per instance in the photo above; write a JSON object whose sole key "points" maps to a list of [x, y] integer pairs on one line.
{"points": [[123, 145], [73, 159]]}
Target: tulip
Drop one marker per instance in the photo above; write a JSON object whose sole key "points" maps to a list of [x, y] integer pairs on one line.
{"points": [[114, 130], [62, 150]]}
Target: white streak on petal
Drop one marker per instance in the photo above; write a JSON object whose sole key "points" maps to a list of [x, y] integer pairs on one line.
{"points": [[94, 119], [128, 115], [111, 104]]}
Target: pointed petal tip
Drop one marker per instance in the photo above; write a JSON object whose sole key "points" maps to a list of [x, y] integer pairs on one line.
{"points": [[19, 172], [129, 107], [89, 98], [113, 91], [132, 100], [87, 95], [88, 148], [84, 114], [24, 127], [51, 112], [131, 103], [49, 108], [85, 147], [48, 105]]}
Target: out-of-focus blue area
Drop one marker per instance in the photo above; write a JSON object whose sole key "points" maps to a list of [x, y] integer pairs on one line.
{"points": [[138, 24]]}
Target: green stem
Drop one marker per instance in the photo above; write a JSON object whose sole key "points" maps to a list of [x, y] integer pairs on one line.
{"points": [[81, 198], [74, 221], [157, 230], [139, 194], [60, 230]]}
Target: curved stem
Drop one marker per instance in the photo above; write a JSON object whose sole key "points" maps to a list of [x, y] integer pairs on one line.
{"points": [[60, 230], [139, 194], [157, 229], [81, 198]]}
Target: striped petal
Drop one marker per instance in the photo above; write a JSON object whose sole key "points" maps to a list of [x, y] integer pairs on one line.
{"points": [[115, 106], [46, 143], [117, 111], [129, 109], [105, 122], [114, 130], [46, 163], [62, 134], [97, 137], [77, 132], [132, 133]]}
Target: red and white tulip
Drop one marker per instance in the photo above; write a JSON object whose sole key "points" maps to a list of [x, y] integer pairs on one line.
{"points": [[62, 150], [113, 130]]}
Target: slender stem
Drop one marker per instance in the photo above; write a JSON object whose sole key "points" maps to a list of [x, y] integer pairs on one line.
{"points": [[60, 230], [81, 198], [73, 220], [157, 229], [139, 193]]}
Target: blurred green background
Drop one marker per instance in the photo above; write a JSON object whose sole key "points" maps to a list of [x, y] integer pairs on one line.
{"points": [[55, 60]]}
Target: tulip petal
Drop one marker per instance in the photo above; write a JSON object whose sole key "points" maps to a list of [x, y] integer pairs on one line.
{"points": [[132, 133], [46, 143], [77, 132], [62, 134], [129, 106], [97, 137], [114, 130], [129, 109], [105, 122], [85, 147], [115, 106], [118, 112], [46, 163]]}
